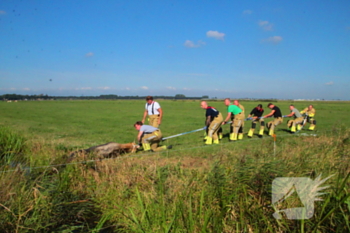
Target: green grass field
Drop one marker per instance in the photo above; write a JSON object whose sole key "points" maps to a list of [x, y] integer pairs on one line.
{"points": [[95, 122], [191, 188]]}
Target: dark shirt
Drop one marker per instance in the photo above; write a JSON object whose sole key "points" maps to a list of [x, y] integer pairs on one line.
{"points": [[256, 112], [212, 112], [277, 112]]}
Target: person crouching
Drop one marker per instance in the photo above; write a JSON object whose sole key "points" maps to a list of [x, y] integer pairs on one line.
{"points": [[150, 137]]}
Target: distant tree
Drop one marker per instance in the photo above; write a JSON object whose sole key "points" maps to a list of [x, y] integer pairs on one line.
{"points": [[180, 96]]}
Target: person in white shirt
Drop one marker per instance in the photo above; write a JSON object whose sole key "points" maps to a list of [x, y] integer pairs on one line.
{"points": [[154, 112]]}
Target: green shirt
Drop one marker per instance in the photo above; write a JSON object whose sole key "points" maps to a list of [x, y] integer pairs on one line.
{"points": [[234, 109]]}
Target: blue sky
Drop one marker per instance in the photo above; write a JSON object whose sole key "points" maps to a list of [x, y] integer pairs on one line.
{"points": [[258, 49]]}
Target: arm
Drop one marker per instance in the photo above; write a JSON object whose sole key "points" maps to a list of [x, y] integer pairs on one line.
{"points": [[139, 136], [227, 118], [160, 115], [252, 113], [144, 116], [207, 121], [270, 114], [290, 114], [251, 117]]}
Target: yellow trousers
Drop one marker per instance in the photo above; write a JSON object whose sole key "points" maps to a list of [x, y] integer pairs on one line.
{"points": [[272, 124], [214, 128], [154, 120], [262, 127], [151, 141], [236, 126]]}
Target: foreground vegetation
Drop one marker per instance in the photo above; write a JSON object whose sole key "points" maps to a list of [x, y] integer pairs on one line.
{"points": [[192, 188]]}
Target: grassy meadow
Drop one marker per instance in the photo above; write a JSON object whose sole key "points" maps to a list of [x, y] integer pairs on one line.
{"points": [[190, 188]]}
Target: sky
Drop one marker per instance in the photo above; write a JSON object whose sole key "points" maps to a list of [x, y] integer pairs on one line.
{"points": [[222, 48]]}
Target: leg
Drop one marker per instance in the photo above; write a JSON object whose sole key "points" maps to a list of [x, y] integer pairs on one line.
{"points": [[220, 133], [240, 131], [146, 141], [312, 124], [155, 141], [206, 133], [274, 123], [251, 131], [153, 120], [296, 122], [213, 130], [236, 125], [262, 127]]}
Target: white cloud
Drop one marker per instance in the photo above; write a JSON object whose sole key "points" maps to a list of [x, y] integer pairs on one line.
{"points": [[144, 88], [127, 88], [26, 89], [190, 44], [171, 88], [273, 39], [104, 88], [89, 54], [82, 88], [247, 12], [329, 83], [265, 25], [186, 89], [2, 12], [215, 34]]}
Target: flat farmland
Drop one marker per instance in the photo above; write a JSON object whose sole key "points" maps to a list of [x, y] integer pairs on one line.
{"points": [[96, 122], [190, 188]]}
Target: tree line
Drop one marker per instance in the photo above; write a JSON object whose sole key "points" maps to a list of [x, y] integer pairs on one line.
{"points": [[101, 97]]}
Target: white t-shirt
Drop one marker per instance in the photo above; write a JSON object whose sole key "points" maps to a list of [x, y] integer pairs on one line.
{"points": [[152, 108]]}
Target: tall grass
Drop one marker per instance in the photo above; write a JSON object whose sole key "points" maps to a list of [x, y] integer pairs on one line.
{"points": [[212, 189], [12, 145], [192, 188], [230, 192]]}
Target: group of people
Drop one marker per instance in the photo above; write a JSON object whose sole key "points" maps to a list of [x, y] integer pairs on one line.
{"points": [[235, 112], [150, 135]]}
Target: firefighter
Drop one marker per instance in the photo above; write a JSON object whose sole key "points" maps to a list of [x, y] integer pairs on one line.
{"points": [[240, 131], [255, 115], [298, 118], [154, 112], [310, 113], [149, 137], [277, 114], [238, 118], [213, 120]]}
